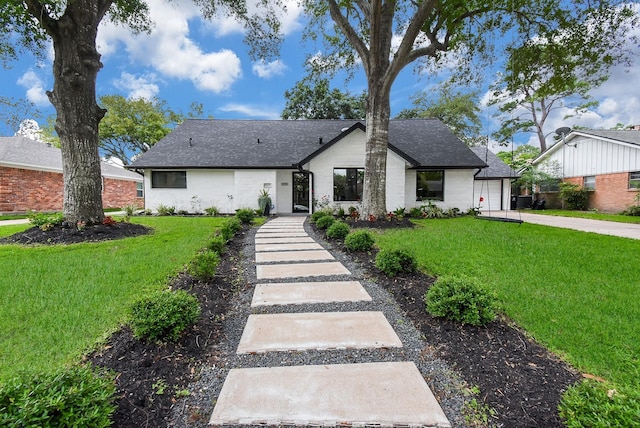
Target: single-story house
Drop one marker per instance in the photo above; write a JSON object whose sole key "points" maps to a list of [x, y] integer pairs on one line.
{"points": [[31, 179], [303, 163], [492, 185], [606, 162]]}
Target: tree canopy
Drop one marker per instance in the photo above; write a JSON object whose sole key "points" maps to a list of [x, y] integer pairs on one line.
{"points": [[557, 70], [313, 99], [131, 127]]}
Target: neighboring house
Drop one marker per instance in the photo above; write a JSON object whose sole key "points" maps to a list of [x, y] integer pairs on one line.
{"points": [[31, 179], [492, 185], [227, 163], [605, 162]]}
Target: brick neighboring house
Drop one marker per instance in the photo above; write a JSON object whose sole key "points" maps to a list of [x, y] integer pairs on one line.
{"points": [[31, 179], [606, 162]]}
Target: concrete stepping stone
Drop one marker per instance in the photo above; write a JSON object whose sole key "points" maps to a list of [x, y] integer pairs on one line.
{"points": [[276, 234], [300, 270], [284, 240], [378, 394], [297, 293], [317, 330], [293, 256], [288, 247]]}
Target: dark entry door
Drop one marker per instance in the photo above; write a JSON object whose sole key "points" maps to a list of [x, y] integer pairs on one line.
{"points": [[300, 192]]}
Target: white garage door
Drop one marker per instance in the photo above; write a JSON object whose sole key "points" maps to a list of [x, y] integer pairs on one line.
{"points": [[491, 193]]}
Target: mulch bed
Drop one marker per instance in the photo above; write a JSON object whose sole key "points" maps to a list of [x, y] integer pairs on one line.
{"points": [[517, 377], [71, 235]]}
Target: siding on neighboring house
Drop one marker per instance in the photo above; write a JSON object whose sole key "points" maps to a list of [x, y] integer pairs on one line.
{"points": [[607, 156]]}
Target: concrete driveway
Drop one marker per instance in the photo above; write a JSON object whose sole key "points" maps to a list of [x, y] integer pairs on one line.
{"points": [[624, 230]]}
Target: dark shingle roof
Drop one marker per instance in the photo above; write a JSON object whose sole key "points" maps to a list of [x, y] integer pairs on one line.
{"points": [[497, 168], [21, 152], [234, 144], [625, 136]]}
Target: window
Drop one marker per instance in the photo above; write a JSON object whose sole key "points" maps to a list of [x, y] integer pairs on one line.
{"points": [[169, 179], [634, 180], [589, 182], [550, 186], [139, 190], [348, 184], [430, 185]]}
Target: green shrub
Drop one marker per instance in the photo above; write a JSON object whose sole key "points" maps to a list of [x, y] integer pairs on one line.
{"points": [[217, 244], [46, 221], [392, 262], [245, 215], [212, 211], [203, 265], [317, 215], [338, 230], [73, 397], [633, 210], [166, 210], [164, 315], [599, 405], [462, 299], [576, 197], [229, 228], [325, 222], [360, 240], [415, 212]]}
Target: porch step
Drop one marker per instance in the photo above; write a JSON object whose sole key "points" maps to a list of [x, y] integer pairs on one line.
{"points": [[296, 293], [317, 330], [381, 394]]}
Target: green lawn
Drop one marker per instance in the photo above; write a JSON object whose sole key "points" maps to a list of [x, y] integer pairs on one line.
{"points": [[59, 301], [619, 218], [575, 292]]}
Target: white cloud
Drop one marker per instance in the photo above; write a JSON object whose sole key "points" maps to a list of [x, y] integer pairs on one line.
{"points": [[169, 49], [35, 88], [224, 24], [266, 70], [251, 111], [137, 87]]}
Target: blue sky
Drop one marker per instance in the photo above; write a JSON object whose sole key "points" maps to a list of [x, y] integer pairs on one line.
{"points": [[186, 59]]}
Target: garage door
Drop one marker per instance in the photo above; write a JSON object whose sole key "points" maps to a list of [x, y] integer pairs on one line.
{"points": [[491, 193]]}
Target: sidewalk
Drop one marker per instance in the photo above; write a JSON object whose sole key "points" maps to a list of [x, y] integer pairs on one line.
{"points": [[623, 230], [290, 267]]}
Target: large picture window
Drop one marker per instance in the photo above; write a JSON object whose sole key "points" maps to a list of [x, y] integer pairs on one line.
{"points": [[348, 184], [430, 185], [169, 179], [634, 180]]}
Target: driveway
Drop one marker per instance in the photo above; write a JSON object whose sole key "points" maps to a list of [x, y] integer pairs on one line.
{"points": [[624, 230]]}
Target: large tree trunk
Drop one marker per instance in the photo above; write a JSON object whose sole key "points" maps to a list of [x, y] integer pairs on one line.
{"points": [[374, 198], [75, 69]]}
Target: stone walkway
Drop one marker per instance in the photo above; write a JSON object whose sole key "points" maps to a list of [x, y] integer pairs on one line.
{"points": [[381, 394]]}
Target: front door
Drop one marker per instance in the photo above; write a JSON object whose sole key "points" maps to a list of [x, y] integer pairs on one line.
{"points": [[300, 192]]}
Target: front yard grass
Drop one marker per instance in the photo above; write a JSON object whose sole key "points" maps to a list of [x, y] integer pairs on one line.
{"points": [[574, 292], [59, 301]]}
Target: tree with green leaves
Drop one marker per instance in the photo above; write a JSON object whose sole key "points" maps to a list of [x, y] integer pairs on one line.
{"points": [[365, 34], [459, 111], [131, 127], [519, 158], [557, 70], [72, 27], [13, 112], [313, 99]]}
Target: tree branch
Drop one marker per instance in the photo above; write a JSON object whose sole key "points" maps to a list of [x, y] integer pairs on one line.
{"points": [[349, 32], [40, 12]]}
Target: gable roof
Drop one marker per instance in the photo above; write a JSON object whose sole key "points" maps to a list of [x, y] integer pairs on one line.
{"points": [[624, 137], [233, 144], [21, 152], [496, 167]]}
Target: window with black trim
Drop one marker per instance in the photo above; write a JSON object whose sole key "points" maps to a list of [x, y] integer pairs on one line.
{"points": [[169, 179], [348, 184], [634, 180], [430, 185]]}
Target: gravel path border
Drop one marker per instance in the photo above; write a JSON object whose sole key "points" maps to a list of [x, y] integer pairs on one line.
{"points": [[446, 384]]}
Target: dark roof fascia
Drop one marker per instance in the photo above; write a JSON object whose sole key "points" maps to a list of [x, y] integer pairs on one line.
{"points": [[414, 163], [179, 168], [323, 147], [434, 167]]}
